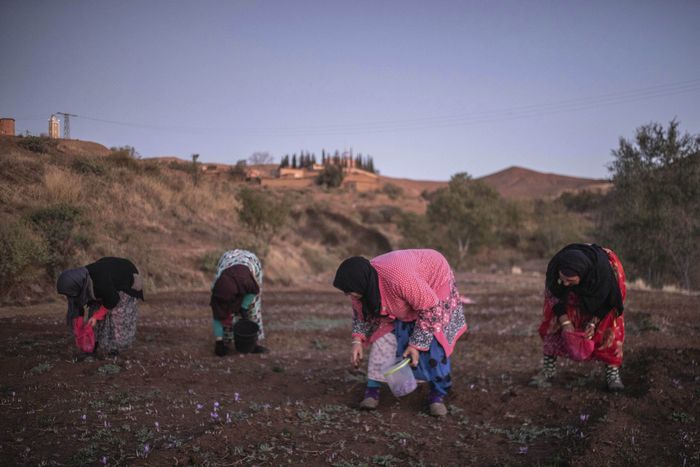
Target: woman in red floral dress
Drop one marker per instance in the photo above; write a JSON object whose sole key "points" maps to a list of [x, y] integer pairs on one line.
{"points": [[583, 304]]}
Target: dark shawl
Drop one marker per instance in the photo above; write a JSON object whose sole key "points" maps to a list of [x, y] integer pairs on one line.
{"points": [[75, 285], [230, 288], [598, 290], [110, 276], [356, 274]]}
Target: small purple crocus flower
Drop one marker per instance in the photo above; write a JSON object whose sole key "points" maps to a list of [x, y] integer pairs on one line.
{"points": [[522, 450], [216, 405], [214, 415], [200, 406], [236, 397], [83, 417], [103, 461], [157, 426], [584, 417]]}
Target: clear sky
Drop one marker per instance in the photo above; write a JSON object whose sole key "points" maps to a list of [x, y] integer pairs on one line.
{"points": [[427, 88]]}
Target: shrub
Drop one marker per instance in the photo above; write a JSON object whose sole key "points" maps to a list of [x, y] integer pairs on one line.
{"points": [[38, 144], [262, 215], [582, 201], [209, 261], [58, 224], [21, 251], [124, 157], [89, 166], [392, 191], [331, 176]]}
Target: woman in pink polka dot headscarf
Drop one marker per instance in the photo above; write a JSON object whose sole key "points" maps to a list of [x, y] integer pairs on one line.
{"points": [[405, 304]]}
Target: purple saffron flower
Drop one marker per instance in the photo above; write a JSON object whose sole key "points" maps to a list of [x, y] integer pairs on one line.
{"points": [[146, 449], [83, 417], [522, 450], [216, 405], [214, 415], [200, 406], [103, 461], [236, 397], [157, 426], [584, 417]]}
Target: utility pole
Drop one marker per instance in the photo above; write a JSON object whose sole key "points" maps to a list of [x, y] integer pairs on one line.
{"points": [[66, 123]]}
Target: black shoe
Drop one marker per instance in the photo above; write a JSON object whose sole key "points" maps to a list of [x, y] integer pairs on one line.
{"points": [[220, 349], [259, 349]]}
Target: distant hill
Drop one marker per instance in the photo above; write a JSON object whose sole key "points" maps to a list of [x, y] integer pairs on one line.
{"points": [[522, 183], [513, 182]]}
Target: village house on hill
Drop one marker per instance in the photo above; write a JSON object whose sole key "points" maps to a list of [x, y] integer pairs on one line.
{"points": [[354, 178]]}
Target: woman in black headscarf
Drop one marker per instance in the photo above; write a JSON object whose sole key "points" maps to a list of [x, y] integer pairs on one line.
{"points": [[584, 300], [108, 288]]}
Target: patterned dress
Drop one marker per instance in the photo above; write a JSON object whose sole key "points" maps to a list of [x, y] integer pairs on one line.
{"points": [[248, 259], [610, 331], [421, 307], [116, 332]]}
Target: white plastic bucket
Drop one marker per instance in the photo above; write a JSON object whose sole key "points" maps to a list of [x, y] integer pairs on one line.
{"points": [[400, 378]]}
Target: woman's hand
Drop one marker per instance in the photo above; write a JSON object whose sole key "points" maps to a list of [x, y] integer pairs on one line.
{"points": [[413, 353], [565, 324], [92, 322], [590, 328], [356, 357]]}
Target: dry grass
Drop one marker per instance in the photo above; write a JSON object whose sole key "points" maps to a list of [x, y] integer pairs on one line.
{"points": [[62, 186]]}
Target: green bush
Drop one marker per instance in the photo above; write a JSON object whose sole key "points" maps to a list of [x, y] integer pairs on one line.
{"points": [[38, 144], [392, 191], [59, 224], [262, 215], [124, 157], [209, 261], [331, 176], [89, 166], [21, 253]]}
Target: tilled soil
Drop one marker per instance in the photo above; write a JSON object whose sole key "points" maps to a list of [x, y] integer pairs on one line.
{"points": [[170, 401]]}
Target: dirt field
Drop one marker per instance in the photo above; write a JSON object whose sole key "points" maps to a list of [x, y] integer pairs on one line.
{"points": [[170, 401]]}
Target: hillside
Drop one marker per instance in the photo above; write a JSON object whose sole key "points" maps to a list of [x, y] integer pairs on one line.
{"points": [[522, 183], [65, 203]]}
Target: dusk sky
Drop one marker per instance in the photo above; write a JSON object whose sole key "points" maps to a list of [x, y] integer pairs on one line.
{"points": [[428, 89]]}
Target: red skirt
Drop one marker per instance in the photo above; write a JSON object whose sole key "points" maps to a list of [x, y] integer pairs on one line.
{"points": [[610, 332]]}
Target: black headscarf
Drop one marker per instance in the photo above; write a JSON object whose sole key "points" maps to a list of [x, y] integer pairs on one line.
{"points": [[598, 289], [356, 274], [75, 285]]}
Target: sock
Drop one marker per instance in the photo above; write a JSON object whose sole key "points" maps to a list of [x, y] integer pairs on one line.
{"points": [[372, 392], [612, 373], [435, 397], [549, 366], [373, 383]]}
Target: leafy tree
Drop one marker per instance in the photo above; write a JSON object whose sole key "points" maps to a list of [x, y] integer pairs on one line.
{"points": [[465, 214], [261, 157], [331, 176], [195, 169], [262, 215], [653, 216]]}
